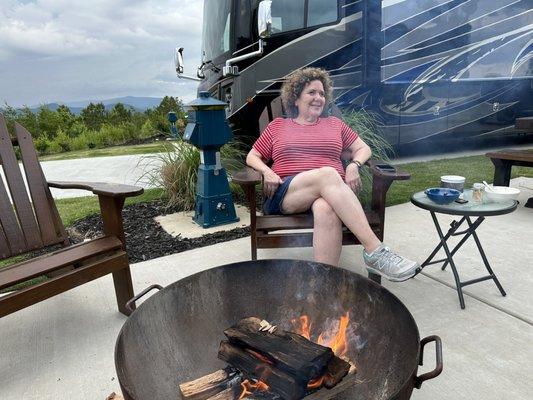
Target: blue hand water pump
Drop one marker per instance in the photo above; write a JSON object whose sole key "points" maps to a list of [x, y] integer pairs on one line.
{"points": [[208, 130]]}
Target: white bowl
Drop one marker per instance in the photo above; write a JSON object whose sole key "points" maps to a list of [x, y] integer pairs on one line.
{"points": [[501, 193]]}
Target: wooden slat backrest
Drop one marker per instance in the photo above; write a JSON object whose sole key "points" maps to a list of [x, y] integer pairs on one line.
{"points": [[12, 237], [39, 190], [20, 228]]}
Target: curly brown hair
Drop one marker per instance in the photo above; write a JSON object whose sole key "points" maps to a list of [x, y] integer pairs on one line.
{"points": [[295, 84]]}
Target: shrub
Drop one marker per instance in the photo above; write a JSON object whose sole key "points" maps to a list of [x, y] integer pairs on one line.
{"points": [[61, 142], [148, 129], [42, 145], [92, 139], [79, 142], [76, 129]]}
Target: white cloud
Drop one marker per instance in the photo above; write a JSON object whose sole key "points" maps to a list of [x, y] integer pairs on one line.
{"points": [[58, 50]]}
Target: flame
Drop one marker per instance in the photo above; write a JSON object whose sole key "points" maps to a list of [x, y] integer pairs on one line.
{"points": [[304, 328], [316, 383], [335, 339], [249, 387], [263, 371], [338, 343]]}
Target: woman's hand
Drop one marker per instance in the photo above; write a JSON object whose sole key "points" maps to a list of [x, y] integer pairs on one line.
{"points": [[352, 178], [270, 183]]}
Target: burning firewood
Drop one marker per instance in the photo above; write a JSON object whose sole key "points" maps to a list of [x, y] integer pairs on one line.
{"points": [[268, 363], [285, 361], [287, 350]]}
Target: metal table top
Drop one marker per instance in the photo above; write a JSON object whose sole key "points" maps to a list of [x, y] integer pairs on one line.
{"points": [[471, 208]]}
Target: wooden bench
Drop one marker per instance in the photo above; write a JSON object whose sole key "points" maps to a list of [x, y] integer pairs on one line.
{"points": [[275, 231], [30, 223]]}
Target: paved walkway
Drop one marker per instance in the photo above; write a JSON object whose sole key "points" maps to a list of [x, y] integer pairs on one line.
{"points": [[129, 170], [62, 348]]}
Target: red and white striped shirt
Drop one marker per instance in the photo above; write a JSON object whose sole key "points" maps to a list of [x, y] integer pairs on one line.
{"points": [[296, 148]]}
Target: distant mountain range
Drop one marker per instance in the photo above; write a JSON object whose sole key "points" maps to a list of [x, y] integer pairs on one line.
{"points": [[138, 103]]}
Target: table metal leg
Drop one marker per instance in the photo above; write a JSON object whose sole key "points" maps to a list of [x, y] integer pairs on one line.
{"points": [[449, 257], [484, 257], [453, 227], [471, 231]]}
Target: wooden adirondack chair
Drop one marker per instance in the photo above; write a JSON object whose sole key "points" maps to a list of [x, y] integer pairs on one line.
{"points": [[29, 224], [273, 231]]}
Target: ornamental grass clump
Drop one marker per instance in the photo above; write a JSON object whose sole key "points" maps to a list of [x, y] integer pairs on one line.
{"points": [[368, 126], [176, 170]]}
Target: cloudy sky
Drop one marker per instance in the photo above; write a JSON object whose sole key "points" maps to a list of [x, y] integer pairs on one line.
{"points": [[68, 50]]}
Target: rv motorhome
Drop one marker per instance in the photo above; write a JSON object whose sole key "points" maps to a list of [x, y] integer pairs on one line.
{"points": [[430, 69]]}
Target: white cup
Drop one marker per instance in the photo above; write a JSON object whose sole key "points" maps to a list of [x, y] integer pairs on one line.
{"points": [[453, 181]]}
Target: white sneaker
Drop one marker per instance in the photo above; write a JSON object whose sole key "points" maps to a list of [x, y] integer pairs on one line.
{"points": [[383, 261]]}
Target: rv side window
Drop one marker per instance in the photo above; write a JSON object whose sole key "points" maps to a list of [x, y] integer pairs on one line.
{"points": [[321, 12], [287, 15]]}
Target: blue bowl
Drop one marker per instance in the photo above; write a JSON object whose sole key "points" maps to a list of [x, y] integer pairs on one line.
{"points": [[442, 195]]}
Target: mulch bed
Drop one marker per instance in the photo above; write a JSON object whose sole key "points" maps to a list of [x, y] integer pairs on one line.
{"points": [[145, 239]]}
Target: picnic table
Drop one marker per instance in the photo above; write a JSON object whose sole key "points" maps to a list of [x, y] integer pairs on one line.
{"points": [[503, 162], [505, 159]]}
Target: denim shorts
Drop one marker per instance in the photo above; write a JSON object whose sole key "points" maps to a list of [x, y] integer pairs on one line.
{"points": [[272, 205]]}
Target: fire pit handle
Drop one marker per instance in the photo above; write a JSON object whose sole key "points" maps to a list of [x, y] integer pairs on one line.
{"points": [[438, 369], [132, 301]]}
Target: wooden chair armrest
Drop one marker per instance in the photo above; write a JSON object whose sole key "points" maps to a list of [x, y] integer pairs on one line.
{"points": [[398, 175], [247, 177], [100, 188]]}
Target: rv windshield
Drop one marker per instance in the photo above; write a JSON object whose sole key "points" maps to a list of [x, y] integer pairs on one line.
{"points": [[216, 33]]}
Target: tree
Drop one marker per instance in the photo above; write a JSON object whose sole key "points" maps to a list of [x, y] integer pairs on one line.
{"points": [[29, 120], [94, 115], [65, 117], [49, 122], [159, 114], [10, 113], [119, 114], [168, 104]]}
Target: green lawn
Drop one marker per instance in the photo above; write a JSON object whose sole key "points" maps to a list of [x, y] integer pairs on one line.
{"points": [[148, 148], [77, 208]]}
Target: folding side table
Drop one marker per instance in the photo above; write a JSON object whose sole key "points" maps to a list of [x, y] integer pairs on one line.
{"points": [[465, 211]]}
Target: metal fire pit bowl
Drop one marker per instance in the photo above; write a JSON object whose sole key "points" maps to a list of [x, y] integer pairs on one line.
{"points": [[173, 337]]}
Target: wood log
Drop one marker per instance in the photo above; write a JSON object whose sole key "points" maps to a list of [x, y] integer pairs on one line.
{"points": [[209, 385], [289, 351], [279, 381], [336, 369], [231, 393]]}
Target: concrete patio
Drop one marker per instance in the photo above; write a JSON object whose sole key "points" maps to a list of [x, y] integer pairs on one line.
{"points": [[63, 348]]}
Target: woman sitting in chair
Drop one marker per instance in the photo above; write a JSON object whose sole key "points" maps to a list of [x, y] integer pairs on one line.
{"points": [[307, 174]]}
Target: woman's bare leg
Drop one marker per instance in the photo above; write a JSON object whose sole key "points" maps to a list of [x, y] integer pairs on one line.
{"points": [[325, 182], [327, 233]]}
